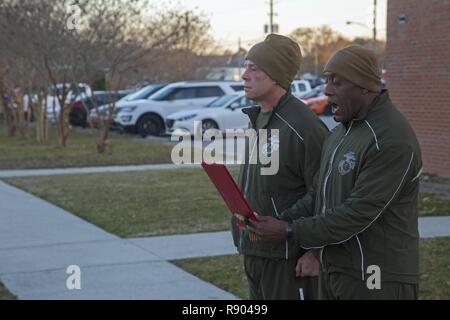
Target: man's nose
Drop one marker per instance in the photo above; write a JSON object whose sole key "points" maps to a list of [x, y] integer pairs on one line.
{"points": [[328, 90], [244, 76]]}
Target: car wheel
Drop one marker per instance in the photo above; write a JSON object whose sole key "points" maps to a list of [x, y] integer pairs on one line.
{"points": [[208, 125], [150, 125]]}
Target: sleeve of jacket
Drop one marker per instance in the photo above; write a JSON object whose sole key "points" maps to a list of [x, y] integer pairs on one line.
{"points": [[311, 153], [380, 181]]}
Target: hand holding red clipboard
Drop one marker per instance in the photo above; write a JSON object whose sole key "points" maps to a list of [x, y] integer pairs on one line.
{"points": [[228, 189]]}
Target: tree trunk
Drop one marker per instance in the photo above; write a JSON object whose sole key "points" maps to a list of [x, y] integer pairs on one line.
{"points": [[62, 133], [102, 142], [9, 119], [40, 113]]}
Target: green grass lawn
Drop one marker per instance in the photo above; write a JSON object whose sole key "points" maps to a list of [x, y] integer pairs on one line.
{"points": [[431, 204], [80, 152], [5, 294], [149, 203], [137, 204], [227, 272], [435, 268], [432, 178]]}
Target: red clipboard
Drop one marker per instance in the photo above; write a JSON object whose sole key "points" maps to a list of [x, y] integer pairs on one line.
{"points": [[228, 189]]}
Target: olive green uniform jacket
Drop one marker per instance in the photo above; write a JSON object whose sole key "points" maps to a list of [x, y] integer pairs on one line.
{"points": [[299, 144], [365, 213]]}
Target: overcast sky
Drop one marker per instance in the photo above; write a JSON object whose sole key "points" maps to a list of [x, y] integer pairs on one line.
{"points": [[245, 19]]}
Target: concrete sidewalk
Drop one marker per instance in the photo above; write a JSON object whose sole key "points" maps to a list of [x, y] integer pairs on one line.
{"points": [[434, 227], [38, 242], [86, 170], [221, 243]]}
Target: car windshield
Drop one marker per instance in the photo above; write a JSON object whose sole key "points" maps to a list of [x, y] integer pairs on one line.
{"points": [[143, 93], [163, 93], [222, 101], [311, 94]]}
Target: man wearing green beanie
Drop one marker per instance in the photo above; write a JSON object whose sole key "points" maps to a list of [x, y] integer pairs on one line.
{"points": [[296, 134], [365, 215]]}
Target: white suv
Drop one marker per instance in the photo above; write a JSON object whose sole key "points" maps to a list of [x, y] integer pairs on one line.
{"points": [[148, 117], [222, 114], [299, 87]]}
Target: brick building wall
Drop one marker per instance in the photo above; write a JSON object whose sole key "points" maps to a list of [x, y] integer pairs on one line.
{"points": [[418, 74]]}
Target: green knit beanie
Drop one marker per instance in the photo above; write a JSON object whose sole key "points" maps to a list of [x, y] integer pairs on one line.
{"points": [[358, 65], [278, 56]]}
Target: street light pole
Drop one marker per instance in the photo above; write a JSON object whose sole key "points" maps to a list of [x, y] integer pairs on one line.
{"points": [[374, 27], [357, 23]]}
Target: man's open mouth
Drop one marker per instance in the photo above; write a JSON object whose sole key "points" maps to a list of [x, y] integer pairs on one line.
{"points": [[334, 108]]}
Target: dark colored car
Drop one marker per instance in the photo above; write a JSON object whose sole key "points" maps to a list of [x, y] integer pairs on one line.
{"points": [[78, 114]]}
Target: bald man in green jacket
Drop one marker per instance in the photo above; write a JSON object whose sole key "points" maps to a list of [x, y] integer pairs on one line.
{"points": [[295, 136]]}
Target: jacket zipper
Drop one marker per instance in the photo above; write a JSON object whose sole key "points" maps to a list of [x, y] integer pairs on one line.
{"points": [[286, 243], [248, 169], [330, 168], [246, 185], [321, 260]]}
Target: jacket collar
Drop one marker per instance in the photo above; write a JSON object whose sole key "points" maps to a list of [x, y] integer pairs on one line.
{"points": [[253, 112], [373, 108], [376, 104]]}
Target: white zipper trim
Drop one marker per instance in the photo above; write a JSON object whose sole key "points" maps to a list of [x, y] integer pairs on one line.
{"points": [[362, 258], [287, 250], [418, 175], [349, 128], [287, 123], [274, 206], [286, 243], [321, 259], [381, 211], [374, 135]]}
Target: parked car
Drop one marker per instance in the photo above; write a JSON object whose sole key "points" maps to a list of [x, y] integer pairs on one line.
{"points": [[142, 94], [299, 87], [223, 113], [75, 92], [78, 112], [148, 117], [313, 80], [317, 101]]}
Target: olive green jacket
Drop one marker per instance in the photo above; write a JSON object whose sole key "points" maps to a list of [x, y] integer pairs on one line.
{"points": [[365, 213], [299, 146]]}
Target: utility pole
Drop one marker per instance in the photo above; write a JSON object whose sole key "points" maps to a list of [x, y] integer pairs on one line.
{"points": [[188, 40], [271, 16], [316, 59], [374, 24], [271, 27]]}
